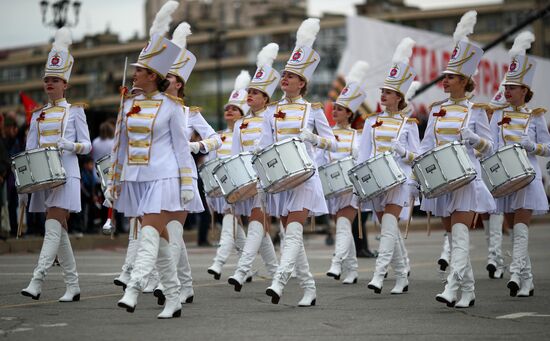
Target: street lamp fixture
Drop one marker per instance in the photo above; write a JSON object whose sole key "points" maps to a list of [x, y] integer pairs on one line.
{"points": [[60, 10]]}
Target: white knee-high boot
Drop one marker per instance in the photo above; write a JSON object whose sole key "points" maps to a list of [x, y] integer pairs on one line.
{"points": [[349, 264], [527, 287], [341, 247], [68, 264], [400, 267], [386, 248], [146, 259], [50, 246], [267, 252], [293, 244], [519, 257], [468, 297], [445, 256], [493, 232], [307, 283], [166, 265], [228, 243], [133, 242], [460, 251], [249, 252], [404, 252], [179, 253]]}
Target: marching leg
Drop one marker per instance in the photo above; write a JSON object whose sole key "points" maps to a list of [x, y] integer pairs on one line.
{"points": [[495, 261], [459, 264], [307, 283], [133, 242], [350, 264], [468, 297], [68, 264], [388, 239], [519, 257], [527, 287], [399, 265], [267, 251], [166, 265], [251, 247], [227, 244], [445, 257], [343, 226]]}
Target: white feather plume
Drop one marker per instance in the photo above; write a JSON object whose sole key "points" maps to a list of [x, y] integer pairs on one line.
{"points": [[307, 32], [162, 21], [62, 40], [465, 26], [522, 43], [242, 80], [358, 72], [180, 34], [412, 90], [267, 55], [403, 51]]}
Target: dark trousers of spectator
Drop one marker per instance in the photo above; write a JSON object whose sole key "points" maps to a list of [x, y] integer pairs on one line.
{"points": [[361, 245]]}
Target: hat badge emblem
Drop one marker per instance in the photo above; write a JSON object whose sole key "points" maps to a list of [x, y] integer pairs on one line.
{"points": [[498, 97], [297, 55], [455, 52], [235, 94], [513, 65], [345, 90], [259, 74], [393, 72], [55, 60]]}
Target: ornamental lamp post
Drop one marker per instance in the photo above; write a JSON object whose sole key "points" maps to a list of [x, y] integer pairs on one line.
{"points": [[60, 10]]}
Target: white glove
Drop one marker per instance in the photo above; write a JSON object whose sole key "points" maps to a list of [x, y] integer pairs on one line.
{"points": [[186, 195], [527, 143], [399, 149], [354, 152], [307, 135], [414, 188], [110, 196], [23, 200], [65, 144], [195, 147], [470, 136]]}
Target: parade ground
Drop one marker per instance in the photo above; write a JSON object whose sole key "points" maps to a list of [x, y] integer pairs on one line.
{"points": [[343, 312]]}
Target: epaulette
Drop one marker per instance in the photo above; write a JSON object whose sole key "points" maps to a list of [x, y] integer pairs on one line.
{"points": [[413, 120], [317, 105], [483, 106], [499, 107], [538, 111], [174, 98], [195, 109], [39, 108], [365, 116], [437, 103], [129, 95], [83, 105], [272, 103]]}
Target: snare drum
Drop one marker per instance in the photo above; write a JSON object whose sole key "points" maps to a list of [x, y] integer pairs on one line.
{"points": [[38, 169], [283, 165], [334, 177], [211, 187], [236, 177], [376, 176], [102, 167], [444, 169], [507, 170]]}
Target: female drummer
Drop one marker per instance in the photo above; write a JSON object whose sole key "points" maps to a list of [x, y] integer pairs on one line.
{"points": [[392, 130], [351, 97], [228, 240], [245, 138], [515, 123], [177, 76], [291, 117], [450, 120], [62, 125], [156, 168]]}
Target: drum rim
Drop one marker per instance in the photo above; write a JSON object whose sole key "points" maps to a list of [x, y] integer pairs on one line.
{"points": [[268, 188], [34, 151], [381, 190], [240, 187], [531, 175], [335, 162], [257, 154], [340, 192], [453, 181], [24, 187], [443, 146], [231, 158], [510, 146]]}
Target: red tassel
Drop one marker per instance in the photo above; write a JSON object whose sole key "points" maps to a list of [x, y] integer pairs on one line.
{"points": [[223, 137], [441, 113], [505, 120], [280, 115], [41, 117], [243, 125], [135, 110], [337, 137], [377, 124]]}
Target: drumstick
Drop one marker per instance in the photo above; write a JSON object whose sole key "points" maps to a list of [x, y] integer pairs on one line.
{"points": [[22, 210], [359, 224], [312, 224], [429, 227], [135, 228], [473, 225], [410, 217]]}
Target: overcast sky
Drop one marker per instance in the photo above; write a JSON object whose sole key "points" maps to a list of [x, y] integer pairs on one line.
{"points": [[21, 22]]}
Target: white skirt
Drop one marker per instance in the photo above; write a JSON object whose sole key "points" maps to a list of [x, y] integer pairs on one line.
{"points": [[337, 203], [531, 197], [308, 195], [66, 196], [399, 195], [143, 197], [195, 205], [473, 197], [218, 205]]}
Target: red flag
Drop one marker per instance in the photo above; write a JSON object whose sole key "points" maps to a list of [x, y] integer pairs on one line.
{"points": [[29, 104], [378, 107], [328, 113]]}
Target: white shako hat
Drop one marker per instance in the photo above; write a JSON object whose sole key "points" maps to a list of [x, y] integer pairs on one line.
{"points": [[159, 53], [60, 62], [185, 61], [304, 59], [239, 93], [401, 74], [521, 70], [353, 94], [498, 99], [266, 77], [465, 56]]}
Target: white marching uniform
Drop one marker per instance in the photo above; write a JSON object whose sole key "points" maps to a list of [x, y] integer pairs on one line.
{"points": [[379, 135], [531, 197], [345, 257], [229, 240], [287, 119], [444, 129], [246, 134], [60, 119]]}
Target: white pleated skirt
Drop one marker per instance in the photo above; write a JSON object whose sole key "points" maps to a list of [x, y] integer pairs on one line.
{"points": [[218, 205], [531, 197], [337, 203], [308, 195], [143, 197], [473, 197], [195, 205], [66, 196]]}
